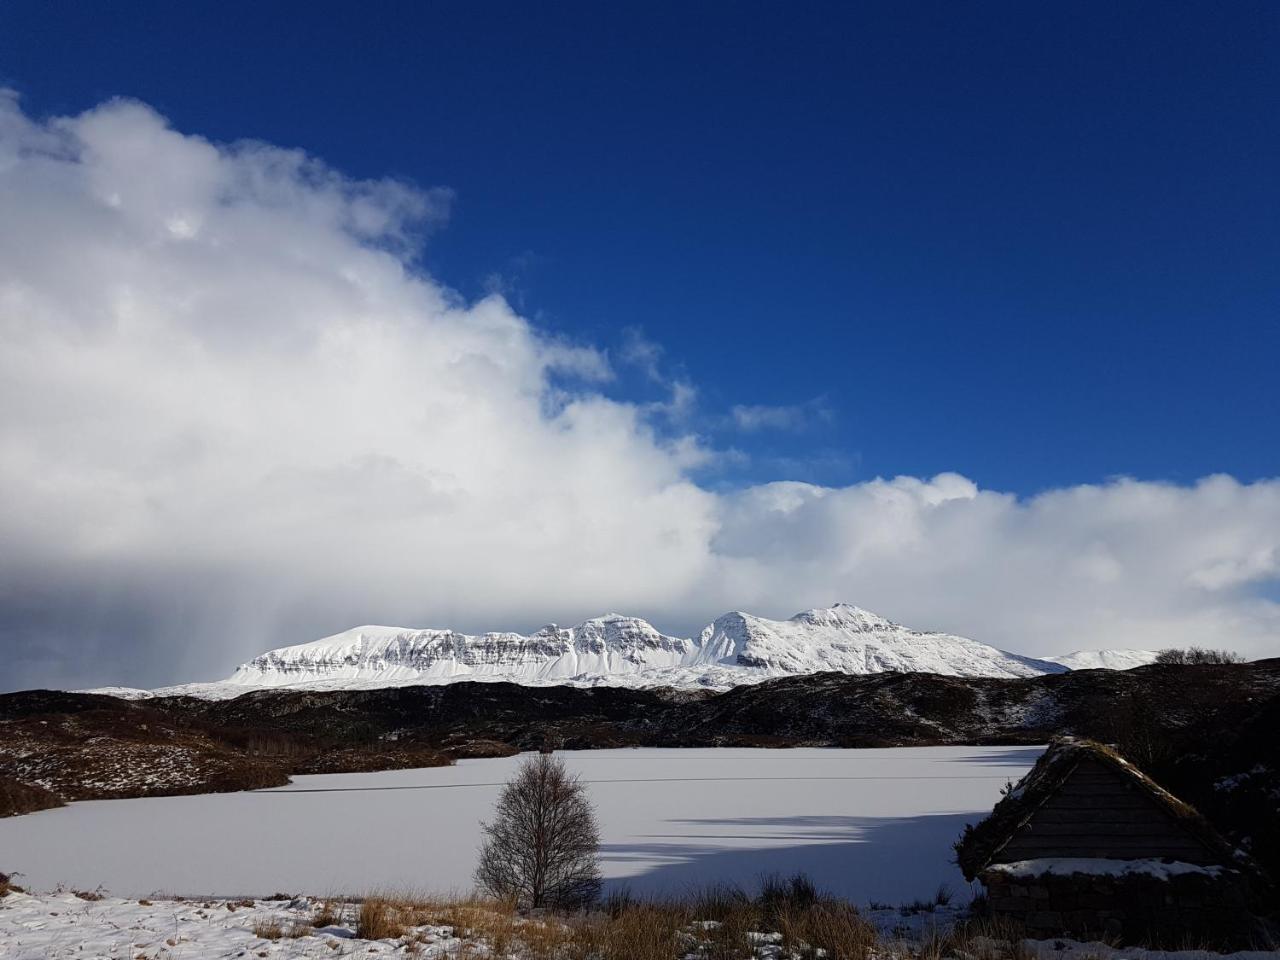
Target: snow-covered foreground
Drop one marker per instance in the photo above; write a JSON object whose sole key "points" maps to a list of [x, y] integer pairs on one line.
{"points": [[864, 824], [50, 926], [62, 926]]}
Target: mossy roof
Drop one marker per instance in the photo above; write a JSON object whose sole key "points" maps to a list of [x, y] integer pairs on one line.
{"points": [[980, 844]]}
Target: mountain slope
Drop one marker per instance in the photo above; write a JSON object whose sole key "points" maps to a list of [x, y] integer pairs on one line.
{"points": [[1105, 659]]}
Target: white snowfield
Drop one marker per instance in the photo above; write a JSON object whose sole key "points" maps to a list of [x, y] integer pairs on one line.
{"points": [[864, 824], [618, 650]]}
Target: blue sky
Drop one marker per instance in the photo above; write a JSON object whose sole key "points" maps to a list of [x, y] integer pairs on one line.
{"points": [[1038, 246], [485, 316]]}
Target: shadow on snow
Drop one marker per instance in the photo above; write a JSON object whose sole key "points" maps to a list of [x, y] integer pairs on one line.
{"points": [[887, 859]]}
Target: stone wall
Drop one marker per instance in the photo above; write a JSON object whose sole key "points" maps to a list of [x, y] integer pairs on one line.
{"points": [[1185, 910]]}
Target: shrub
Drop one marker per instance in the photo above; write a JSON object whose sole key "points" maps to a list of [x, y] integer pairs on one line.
{"points": [[542, 847], [1197, 656]]}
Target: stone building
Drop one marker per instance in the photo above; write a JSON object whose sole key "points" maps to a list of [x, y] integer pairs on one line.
{"points": [[1089, 847]]}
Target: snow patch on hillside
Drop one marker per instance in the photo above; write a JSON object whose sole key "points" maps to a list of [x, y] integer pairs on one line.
{"points": [[1105, 659]]}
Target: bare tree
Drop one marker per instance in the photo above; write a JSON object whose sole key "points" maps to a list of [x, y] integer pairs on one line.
{"points": [[541, 848], [1198, 655]]}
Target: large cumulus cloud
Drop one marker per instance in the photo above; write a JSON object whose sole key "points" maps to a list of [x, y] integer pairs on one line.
{"points": [[233, 413]]}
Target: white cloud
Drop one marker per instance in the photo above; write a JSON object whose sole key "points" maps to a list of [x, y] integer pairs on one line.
{"points": [[1123, 564], [752, 417], [640, 352], [234, 414]]}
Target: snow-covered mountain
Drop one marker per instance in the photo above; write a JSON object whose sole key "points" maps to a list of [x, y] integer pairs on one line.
{"points": [[615, 650], [849, 639], [608, 646], [1105, 659]]}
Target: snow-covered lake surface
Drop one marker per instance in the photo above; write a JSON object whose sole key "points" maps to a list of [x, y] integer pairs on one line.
{"points": [[866, 824]]}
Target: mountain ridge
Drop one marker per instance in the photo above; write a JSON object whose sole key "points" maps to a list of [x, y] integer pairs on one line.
{"points": [[620, 650]]}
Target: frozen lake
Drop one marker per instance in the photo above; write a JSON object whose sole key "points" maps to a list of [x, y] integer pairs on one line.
{"points": [[867, 824]]}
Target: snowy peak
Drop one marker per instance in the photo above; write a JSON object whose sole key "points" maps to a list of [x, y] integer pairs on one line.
{"points": [[845, 616], [848, 639]]}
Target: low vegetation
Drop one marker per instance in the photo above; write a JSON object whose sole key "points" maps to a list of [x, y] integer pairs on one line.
{"points": [[717, 923], [274, 929], [365, 760], [17, 798], [787, 918]]}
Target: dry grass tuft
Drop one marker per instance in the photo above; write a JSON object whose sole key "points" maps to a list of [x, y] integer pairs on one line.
{"points": [[380, 919], [827, 928], [492, 921], [268, 930], [716, 901], [636, 931], [329, 914], [273, 930], [730, 938]]}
